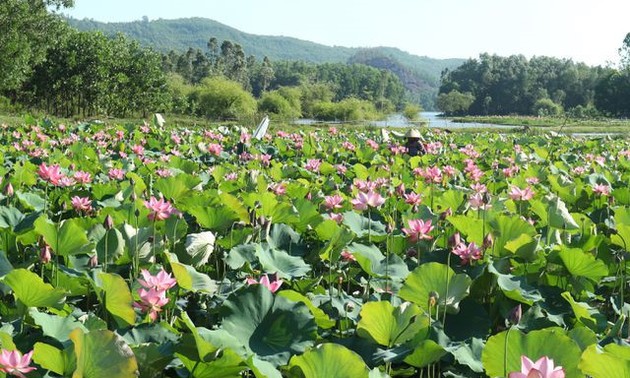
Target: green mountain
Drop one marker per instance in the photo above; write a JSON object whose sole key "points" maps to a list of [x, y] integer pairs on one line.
{"points": [[421, 75]]}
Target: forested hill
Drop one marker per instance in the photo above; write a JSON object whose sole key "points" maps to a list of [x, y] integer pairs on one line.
{"points": [[420, 75]]}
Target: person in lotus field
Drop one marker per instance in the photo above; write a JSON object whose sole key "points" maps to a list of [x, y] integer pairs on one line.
{"points": [[414, 144]]}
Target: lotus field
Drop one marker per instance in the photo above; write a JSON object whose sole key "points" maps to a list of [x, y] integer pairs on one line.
{"points": [[150, 251]]}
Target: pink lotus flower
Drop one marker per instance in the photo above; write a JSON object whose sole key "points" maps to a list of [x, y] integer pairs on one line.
{"points": [[336, 217], [333, 202], [477, 201], [348, 146], [160, 209], [279, 189], [413, 199], [151, 301], [467, 252], [348, 256], [372, 144], [365, 185], [82, 177], [163, 172], [365, 200], [518, 194], [418, 230], [313, 165], [532, 180], [14, 363], [341, 169], [543, 368], [138, 149], [264, 280], [162, 281], [81, 204], [116, 174], [52, 173], [601, 189], [215, 149]]}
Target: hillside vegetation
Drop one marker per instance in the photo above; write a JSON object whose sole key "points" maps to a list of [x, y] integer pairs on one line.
{"points": [[419, 75]]}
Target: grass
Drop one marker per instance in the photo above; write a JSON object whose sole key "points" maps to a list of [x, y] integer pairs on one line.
{"points": [[535, 124]]}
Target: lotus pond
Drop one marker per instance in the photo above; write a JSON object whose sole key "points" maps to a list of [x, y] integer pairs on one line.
{"points": [[153, 251]]}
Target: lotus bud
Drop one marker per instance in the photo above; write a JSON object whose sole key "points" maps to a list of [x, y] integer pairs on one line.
{"points": [[108, 223], [433, 299], [516, 315], [339, 280], [134, 196], [136, 213], [8, 190], [454, 240], [446, 213], [93, 262], [132, 181], [488, 241], [45, 254]]}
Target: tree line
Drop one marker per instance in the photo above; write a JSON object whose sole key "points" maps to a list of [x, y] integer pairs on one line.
{"points": [[514, 85], [47, 65]]}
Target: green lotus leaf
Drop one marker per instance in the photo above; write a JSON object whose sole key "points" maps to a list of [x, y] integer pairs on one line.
{"points": [[451, 199], [426, 353], [308, 214], [516, 287], [582, 264], [322, 320], [55, 326], [507, 229], [153, 358], [435, 277], [272, 327], [585, 314], [115, 295], [337, 238], [102, 354], [228, 365], [10, 217], [68, 239], [283, 237], [176, 187], [388, 325], [374, 263], [205, 349], [363, 227], [328, 360], [469, 226], [503, 351], [583, 336], [51, 358], [612, 361], [263, 369], [280, 262], [32, 291], [189, 278], [468, 354], [111, 243]]}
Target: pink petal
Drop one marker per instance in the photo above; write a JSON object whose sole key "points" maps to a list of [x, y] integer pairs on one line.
{"points": [[526, 364]]}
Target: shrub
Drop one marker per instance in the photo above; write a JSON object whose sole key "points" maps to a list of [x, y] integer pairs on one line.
{"points": [[546, 107], [220, 98]]}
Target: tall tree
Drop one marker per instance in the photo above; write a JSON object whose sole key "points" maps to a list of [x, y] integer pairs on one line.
{"points": [[27, 29]]}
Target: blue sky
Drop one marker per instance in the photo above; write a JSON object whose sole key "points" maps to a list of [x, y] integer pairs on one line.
{"points": [[586, 31]]}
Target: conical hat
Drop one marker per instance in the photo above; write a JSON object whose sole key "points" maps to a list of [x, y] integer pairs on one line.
{"points": [[412, 133]]}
